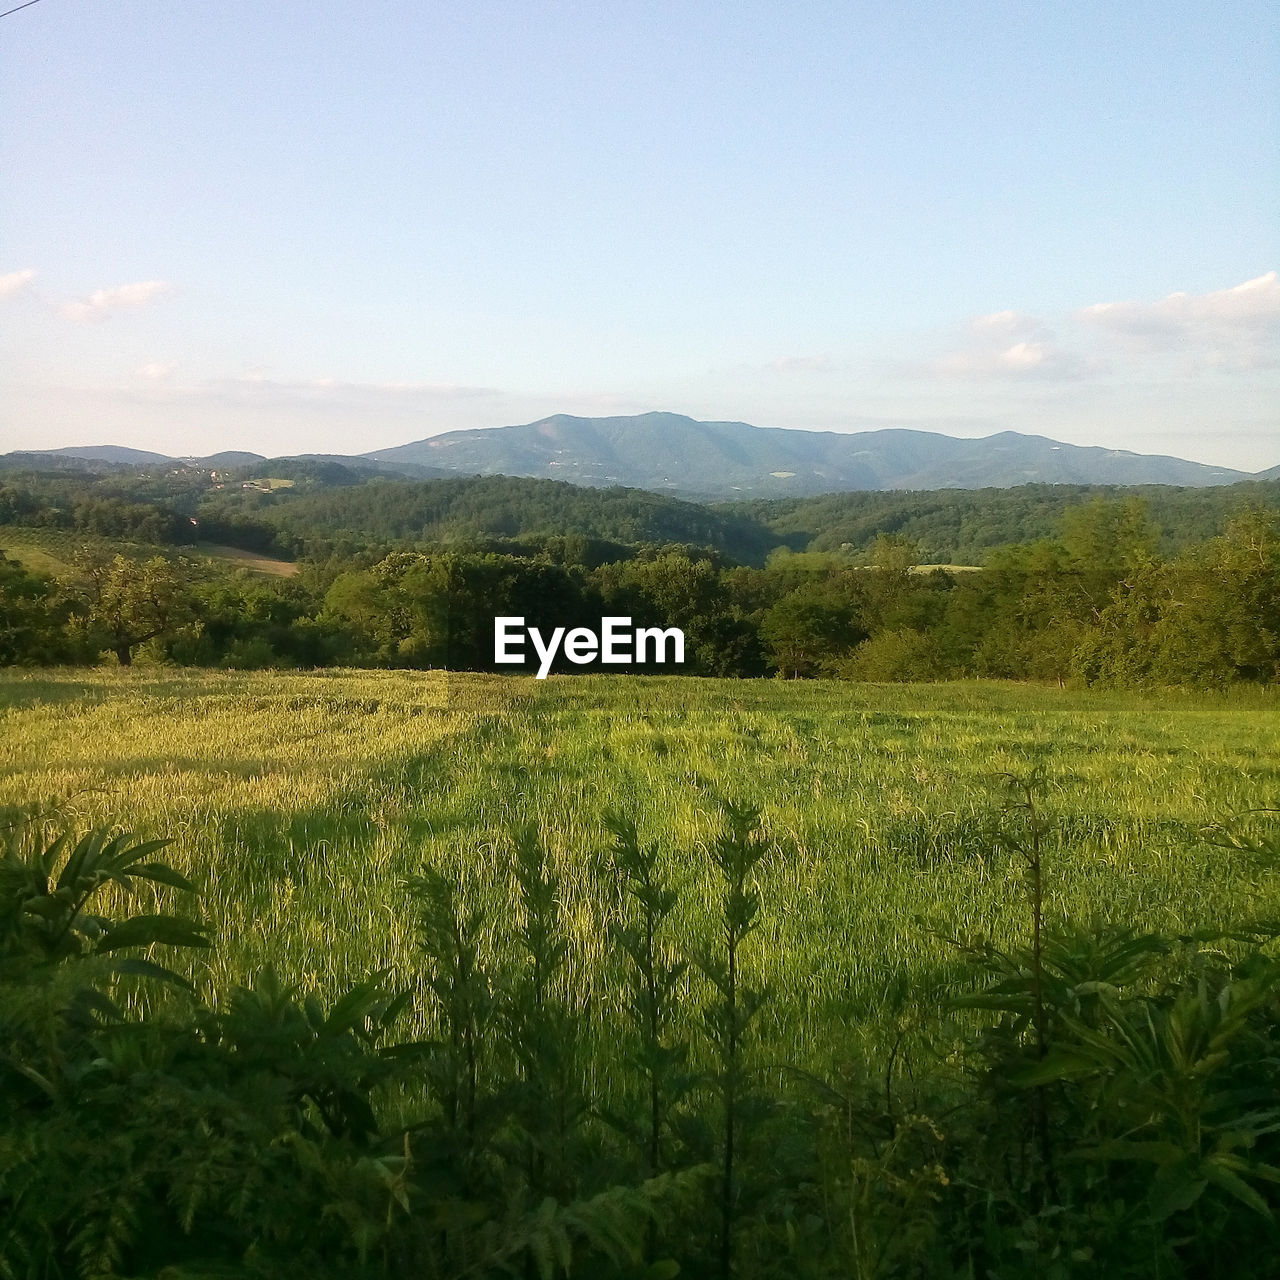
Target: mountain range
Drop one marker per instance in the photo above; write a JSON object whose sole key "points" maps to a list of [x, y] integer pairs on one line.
{"points": [[671, 453]]}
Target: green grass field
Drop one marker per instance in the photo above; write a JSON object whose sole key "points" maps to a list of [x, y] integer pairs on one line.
{"points": [[51, 551], [235, 558], [55, 552], [301, 800]]}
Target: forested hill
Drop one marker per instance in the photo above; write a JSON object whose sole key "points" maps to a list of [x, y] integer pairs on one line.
{"points": [[947, 526], [961, 526], [290, 509], [480, 508]]}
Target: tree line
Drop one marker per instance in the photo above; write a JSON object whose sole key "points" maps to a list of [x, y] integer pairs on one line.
{"points": [[1097, 604]]}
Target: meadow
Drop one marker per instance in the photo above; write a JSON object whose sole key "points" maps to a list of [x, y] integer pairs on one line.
{"points": [[58, 551], [300, 802]]}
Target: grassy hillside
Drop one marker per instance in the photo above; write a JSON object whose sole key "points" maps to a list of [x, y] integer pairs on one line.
{"points": [[54, 551]]}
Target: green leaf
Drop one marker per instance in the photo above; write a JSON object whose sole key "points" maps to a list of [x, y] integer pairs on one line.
{"points": [[143, 931], [1216, 1171], [354, 1006], [667, 1269], [1058, 1065], [161, 873], [1174, 1188], [1154, 1152], [136, 967], [44, 1084]]}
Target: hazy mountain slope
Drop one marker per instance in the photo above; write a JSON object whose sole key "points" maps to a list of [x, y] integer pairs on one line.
{"points": [[229, 458], [667, 451], [112, 454]]}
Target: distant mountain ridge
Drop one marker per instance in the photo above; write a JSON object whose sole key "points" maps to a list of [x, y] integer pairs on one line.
{"points": [[231, 460], [115, 454], [671, 453], [680, 456]]}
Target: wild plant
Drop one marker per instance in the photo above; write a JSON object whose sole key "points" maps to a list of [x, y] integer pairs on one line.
{"points": [[1171, 1084], [48, 917], [736, 853], [544, 1031], [450, 938], [653, 980]]}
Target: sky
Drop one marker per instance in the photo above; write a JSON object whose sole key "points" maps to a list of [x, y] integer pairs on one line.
{"points": [[327, 227]]}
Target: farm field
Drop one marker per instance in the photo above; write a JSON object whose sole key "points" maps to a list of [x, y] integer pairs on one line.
{"points": [[55, 551], [235, 558], [301, 801]]}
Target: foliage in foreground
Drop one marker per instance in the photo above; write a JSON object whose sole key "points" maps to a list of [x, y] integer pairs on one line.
{"points": [[1106, 1103]]}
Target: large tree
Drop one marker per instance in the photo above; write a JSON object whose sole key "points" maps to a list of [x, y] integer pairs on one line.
{"points": [[131, 602]]}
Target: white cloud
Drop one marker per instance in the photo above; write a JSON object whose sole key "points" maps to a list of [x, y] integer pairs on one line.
{"points": [[156, 370], [1025, 355], [1009, 323], [1019, 358], [1252, 305], [103, 302], [1234, 327], [1008, 344], [1227, 329], [15, 282]]}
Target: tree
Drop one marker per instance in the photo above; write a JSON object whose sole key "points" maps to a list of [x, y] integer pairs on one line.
{"points": [[131, 602], [31, 616], [808, 631], [1109, 537], [1207, 617]]}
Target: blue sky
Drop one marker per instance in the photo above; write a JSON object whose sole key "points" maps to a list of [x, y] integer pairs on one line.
{"points": [[324, 227]]}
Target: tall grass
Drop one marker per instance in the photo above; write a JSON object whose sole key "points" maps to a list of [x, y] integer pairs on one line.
{"points": [[303, 802]]}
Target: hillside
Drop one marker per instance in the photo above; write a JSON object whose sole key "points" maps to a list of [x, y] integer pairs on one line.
{"points": [[946, 525], [703, 461], [963, 525], [328, 502], [668, 452], [467, 509]]}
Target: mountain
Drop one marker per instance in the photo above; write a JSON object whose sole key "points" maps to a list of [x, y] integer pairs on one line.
{"points": [[115, 455], [672, 453], [350, 469], [228, 459]]}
